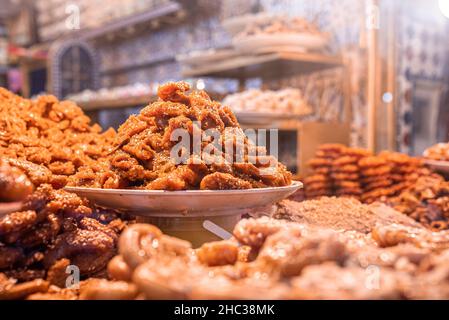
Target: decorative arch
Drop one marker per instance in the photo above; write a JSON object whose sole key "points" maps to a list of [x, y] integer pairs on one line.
{"points": [[74, 68]]}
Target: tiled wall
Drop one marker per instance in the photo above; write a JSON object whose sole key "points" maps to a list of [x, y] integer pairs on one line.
{"points": [[422, 50], [198, 32], [422, 46], [202, 32], [340, 19]]}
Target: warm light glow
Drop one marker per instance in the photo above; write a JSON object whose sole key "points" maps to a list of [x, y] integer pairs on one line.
{"points": [[444, 7], [387, 97], [200, 85]]}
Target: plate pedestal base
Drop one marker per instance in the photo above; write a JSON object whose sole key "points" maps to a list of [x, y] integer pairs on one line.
{"points": [[191, 228]]}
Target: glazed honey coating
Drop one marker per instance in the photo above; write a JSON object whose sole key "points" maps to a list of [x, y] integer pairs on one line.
{"points": [[55, 229], [53, 135], [286, 261], [14, 183], [265, 259], [439, 152], [223, 158], [357, 173], [426, 201]]}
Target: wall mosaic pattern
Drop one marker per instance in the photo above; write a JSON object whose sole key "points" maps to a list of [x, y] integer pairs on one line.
{"points": [[422, 52]]}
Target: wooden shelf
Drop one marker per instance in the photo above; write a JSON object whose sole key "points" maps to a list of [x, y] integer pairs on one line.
{"points": [[127, 102], [117, 103], [266, 66], [122, 24], [139, 65], [258, 120]]}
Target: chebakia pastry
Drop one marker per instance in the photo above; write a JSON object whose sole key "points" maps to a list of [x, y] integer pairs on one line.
{"points": [[52, 230], [183, 141], [50, 137], [334, 248], [277, 259], [14, 183], [439, 151]]}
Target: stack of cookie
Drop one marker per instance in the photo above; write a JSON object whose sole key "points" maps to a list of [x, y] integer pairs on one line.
{"points": [[405, 170], [353, 172], [375, 178], [346, 174], [319, 183]]}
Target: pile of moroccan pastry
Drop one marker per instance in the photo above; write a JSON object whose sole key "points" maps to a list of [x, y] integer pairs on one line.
{"points": [[358, 173], [53, 134], [426, 201], [378, 254], [320, 182], [439, 152], [53, 230], [143, 158]]}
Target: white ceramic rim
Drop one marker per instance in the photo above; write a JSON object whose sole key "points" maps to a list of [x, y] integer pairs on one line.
{"points": [[294, 185]]}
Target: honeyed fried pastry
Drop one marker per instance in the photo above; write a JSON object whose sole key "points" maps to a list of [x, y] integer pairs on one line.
{"points": [[396, 157], [54, 230], [424, 172], [317, 247], [36, 173], [331, 147], [373, 179], [345, 160], [440, 151], [316, 178], [321, 154], [405, 169], [345, 176], [349, 168], [394, 234], [375, 194], [334, 238], [412, 177], [51, 134], [327, 155], [223, 181], [318, 186], [102, 289], [319, 162], [371, 162], [14, 183], [10, 256], [253, 232], [382, 183], [399, 187], [378, 171], [56, 293], [12, 291], [57, 275], [118, 269], [397, 177], [331, 281], [358, 152], [145, 156], [218, 253], [90, 247], [322, 170], [347, 184], [349, 191]]}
